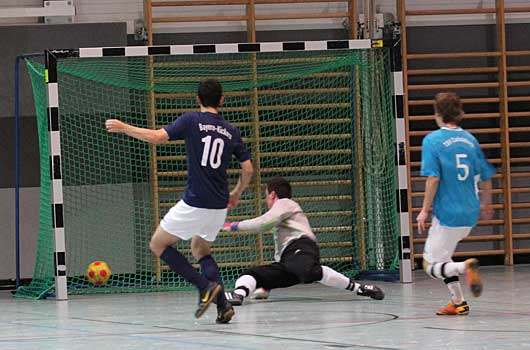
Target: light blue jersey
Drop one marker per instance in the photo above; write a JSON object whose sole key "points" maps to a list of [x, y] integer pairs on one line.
{"points": [[454, 155]]}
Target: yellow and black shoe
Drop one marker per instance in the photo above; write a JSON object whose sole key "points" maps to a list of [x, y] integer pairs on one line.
{"points": [[206, 296], [473, 277], [454, 309], [224, 313]]}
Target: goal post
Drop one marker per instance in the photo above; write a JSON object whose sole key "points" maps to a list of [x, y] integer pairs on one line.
{"points": [[317, 113], [54, 147]]}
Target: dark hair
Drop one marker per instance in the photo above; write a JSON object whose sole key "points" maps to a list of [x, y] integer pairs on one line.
{"points": [[210, 93], [280, 186], [449, 107]]}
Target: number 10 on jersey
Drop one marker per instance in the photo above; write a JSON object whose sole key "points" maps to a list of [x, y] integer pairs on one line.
{"points": [[212, 151]]}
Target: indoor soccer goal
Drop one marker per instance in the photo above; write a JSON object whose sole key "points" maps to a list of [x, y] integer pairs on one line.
{"points": [[317, 113]]}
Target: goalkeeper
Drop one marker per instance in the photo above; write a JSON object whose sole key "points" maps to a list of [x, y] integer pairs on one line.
{"points": [[297, 257]]}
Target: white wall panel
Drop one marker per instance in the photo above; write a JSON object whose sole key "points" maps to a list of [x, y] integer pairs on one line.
{"points": [[19, 3], [131, 10], [109, 11]]}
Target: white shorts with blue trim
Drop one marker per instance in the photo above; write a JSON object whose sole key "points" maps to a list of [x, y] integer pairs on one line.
{"points": [[185, 221]]}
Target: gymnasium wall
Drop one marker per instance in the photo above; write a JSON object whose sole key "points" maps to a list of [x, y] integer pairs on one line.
{"points": [[19, 39], [475, 38], [34, 38], [130, 11]]}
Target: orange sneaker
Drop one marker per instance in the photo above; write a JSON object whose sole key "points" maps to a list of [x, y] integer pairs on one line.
{"points": [[473, 277], [454, 309]]}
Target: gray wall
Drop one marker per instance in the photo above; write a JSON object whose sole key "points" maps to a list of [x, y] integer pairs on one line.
{"points": [[20, 39]]}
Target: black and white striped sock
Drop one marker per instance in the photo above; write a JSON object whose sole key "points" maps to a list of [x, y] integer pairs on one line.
{"points": [[353, 286], [242, 291]]}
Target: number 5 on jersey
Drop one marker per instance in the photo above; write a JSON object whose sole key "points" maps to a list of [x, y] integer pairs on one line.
{"points": [[462, 166], [214, 154]]}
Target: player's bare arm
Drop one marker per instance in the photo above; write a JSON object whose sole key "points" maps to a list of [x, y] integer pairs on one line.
{"points": [[431, 186], [486, 209], [242, 183], [148, 135]]}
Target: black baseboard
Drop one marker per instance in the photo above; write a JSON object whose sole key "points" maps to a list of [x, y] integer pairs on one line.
{"points": [[12, 285]]}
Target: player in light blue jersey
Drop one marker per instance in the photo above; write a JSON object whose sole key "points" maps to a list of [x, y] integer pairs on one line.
{"points": [[455, 166]]}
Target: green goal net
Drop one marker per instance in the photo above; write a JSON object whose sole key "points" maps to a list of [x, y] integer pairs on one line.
{"points": [[321, 119]]}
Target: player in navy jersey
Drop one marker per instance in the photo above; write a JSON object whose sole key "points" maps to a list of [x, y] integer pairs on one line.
{"points": [[210, 143], [455, 166]]}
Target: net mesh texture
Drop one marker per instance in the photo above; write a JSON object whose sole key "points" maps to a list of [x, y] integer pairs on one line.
{"points": [[323, 120]]}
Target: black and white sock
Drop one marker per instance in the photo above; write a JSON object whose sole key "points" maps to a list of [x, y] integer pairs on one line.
{"points": [[245, 285], [332, 278], [353, 286], [453, 283], [442, 270]]}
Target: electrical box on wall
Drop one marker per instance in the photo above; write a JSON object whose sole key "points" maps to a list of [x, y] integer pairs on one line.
{"points": [[64, 12], [383, 21]]}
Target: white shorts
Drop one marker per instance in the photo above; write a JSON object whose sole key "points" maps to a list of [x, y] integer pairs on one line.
{"points": [[185, 221], [441, 242]]}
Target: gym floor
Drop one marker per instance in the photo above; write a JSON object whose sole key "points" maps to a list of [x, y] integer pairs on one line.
{"points": [[302, 317]]}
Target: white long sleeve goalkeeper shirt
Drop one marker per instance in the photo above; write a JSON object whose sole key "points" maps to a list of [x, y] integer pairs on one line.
{"points": [[287, 221]]}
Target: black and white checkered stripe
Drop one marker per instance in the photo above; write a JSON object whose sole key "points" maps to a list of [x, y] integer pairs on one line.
{"points": [[56, 176], [401, 165], [132, 51]]}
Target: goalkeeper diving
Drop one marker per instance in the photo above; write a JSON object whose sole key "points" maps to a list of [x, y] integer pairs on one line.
{"points": [[297, 256]]}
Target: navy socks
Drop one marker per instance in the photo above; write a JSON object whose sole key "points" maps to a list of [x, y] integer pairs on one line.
{"points": [[210, 270], [181, 265]]}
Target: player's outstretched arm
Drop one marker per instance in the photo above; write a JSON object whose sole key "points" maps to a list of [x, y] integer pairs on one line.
{"points": [[431, 186], [147, 135], [272, 218], [242, 183], [485, 199]]}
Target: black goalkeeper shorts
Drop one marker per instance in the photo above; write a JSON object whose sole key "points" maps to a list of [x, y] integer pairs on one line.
{"points": [[300, 263]]}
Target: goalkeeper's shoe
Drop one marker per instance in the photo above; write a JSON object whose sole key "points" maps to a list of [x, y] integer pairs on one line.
{"points": [[234, 299], [454, 309], [473, 276], [206, 296], [369, 290], [225, 313], [261, 293]]}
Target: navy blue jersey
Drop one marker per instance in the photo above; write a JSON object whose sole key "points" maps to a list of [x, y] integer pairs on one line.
{"points": [[210, 143]]}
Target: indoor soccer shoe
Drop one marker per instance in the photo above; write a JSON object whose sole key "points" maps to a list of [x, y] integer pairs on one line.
{"points": [[368, 290], [473, 277], [224, 313], [454, 309], [234, 299], [261, 293], [206, 296]]}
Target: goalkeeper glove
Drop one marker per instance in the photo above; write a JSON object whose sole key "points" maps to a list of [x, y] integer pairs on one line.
{"points": [[230, 226]]}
